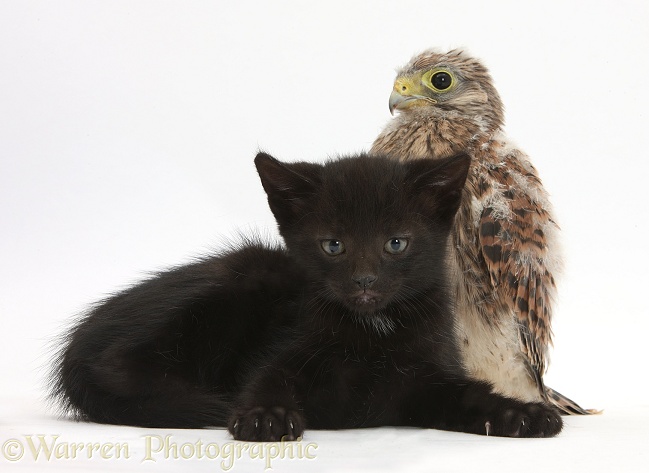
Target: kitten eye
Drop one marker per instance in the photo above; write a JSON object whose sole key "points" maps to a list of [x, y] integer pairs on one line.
{"points": [[396, 245], [333, 247]]}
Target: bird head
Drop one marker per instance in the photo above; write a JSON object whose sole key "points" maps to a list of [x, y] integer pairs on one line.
{"points": [[436, 84]]}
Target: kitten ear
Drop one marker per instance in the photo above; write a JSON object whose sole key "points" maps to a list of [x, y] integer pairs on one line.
{"points": [[440, 181], [288, 186]]}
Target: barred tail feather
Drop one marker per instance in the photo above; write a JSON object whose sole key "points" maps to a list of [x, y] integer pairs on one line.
{"points": [[568, 406]]}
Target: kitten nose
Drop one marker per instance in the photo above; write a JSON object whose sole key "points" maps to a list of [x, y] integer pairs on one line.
{"points": [[364, 281]]}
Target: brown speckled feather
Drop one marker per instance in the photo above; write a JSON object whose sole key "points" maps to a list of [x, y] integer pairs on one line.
{"points": [[512, 240], [504, 247]]}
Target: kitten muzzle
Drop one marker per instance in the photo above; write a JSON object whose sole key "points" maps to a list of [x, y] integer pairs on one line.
{"points": [[366, 299]]}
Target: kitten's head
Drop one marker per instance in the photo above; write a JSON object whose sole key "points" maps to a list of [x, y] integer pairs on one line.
{"points": [[370, 231]]}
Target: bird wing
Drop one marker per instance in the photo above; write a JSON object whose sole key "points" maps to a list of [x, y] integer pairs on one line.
{"points": [[513, 235]]}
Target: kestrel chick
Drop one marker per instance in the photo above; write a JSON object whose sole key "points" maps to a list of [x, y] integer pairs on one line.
{"points": [[504, 251]]}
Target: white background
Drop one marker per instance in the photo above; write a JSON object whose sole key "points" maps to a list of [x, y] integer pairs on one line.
{"points": [[128, 129]]}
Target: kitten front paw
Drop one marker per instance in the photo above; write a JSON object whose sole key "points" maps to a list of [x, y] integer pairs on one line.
{"points": [[266, 424], [526, 420]]}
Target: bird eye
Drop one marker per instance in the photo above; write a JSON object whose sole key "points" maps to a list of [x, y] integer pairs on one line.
{"points": [[396, 245], [333, 247], [441, 80]]}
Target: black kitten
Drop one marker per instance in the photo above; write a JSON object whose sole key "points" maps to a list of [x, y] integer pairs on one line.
{"points": [[350, 326]]}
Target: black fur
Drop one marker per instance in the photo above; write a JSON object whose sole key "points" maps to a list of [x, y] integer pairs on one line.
{"points": [[270, 341]]}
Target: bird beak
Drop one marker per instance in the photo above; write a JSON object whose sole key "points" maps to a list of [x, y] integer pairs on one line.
{"points": [[401, 102], [406, 91], [395, 100]]}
